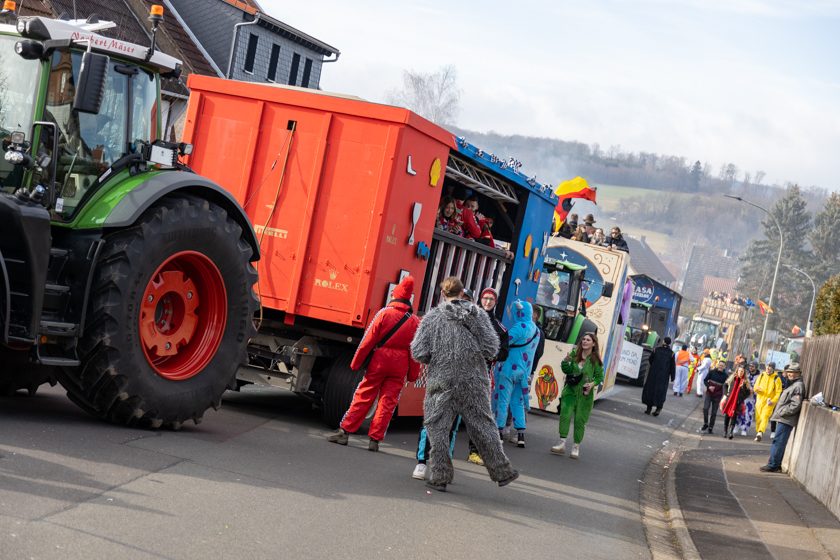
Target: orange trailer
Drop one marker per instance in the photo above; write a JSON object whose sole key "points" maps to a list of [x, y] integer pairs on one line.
{"points": [[339, 190]]}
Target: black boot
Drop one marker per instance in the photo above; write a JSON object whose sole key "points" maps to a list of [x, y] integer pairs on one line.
{"points": [[657, 411], [647, 410], [520, 439]]}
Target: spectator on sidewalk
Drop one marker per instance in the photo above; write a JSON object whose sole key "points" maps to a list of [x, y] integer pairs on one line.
{"points": [[682, 360], [584, 371], [785, 385], [714, 382], [737, 389], [787, 416], [662, 369], [747, 417], [701, 371], [455, 340], [768, 387], [384, 355]]}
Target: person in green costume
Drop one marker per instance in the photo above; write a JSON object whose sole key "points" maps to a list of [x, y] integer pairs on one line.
{"points": [[584, 372]]}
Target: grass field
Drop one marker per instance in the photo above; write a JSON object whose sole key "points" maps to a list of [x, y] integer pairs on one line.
{"points": [[609, 196]]}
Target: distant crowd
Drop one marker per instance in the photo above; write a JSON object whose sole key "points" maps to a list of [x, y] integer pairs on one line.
{"points": [[728, 298], [588, 233], [746, 395]]}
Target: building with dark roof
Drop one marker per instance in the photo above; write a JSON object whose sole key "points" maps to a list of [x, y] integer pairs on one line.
{"points": [[644, 261], [247, 44]]}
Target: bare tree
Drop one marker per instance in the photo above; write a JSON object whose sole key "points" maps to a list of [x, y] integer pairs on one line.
{"points": [[759, 177], [433, 95]]}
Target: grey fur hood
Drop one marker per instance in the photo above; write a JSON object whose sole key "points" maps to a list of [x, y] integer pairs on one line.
{"points": [[455, 340]]}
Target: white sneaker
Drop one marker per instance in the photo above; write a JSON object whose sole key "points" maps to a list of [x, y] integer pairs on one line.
{"points": [[560, 448], [744, 433], [575, 451], [772, 435], [419, 472], [512, 436]]}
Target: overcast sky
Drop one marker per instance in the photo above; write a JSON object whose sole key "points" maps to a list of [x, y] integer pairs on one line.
{"points": [[755, 82]]}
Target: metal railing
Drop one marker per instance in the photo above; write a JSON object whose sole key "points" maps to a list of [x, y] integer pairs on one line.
{"points": [[478, 266], [821, 367]]}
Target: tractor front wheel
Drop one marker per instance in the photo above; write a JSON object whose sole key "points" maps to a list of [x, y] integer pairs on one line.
{"points": [[171, 313]]}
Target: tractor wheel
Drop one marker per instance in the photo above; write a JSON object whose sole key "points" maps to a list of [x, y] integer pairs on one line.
{"points": [[19, 373], [340, 386], [170, 316], [644, 367]]}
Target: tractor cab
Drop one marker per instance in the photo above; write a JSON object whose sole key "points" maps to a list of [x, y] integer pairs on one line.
{"points": [[558, 300], [638, 329], [77, 109]]}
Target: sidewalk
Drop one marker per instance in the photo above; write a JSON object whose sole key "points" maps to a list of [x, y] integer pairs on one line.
{"points": [[732, 510]]}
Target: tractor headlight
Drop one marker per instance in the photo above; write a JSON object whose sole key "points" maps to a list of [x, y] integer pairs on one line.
{"points": [[30, 50], [21, 26], [17, 137], [14, 157]]}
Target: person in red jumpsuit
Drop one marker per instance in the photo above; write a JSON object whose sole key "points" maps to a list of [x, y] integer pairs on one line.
{"points": [[389, 366]]}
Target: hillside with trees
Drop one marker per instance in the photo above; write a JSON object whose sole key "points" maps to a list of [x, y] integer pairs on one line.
{"points": [[683, 201]]}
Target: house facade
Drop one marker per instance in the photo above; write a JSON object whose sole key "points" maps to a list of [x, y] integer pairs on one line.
{"points": [[249, 45]]}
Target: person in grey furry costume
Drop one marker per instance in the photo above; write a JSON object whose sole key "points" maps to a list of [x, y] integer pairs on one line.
{"points": [[455, 340]]}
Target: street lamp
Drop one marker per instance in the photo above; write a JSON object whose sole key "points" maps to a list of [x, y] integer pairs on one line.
{"points": [[775, 273], [808, 329]]}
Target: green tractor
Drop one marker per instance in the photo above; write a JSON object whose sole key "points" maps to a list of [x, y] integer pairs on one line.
{"points": [[123, 275]]}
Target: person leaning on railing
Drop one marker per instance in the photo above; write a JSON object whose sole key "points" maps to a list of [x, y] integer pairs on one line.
{"points": [[786, 416]]}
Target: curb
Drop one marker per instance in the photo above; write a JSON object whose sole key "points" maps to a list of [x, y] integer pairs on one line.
{"points": [[665, 528]]}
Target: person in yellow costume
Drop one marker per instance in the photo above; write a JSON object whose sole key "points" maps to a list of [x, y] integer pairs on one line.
{"points": [[767, 388]]}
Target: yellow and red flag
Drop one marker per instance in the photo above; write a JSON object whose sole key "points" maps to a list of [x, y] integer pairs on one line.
{"points": [[567, 191], [764, 308]]}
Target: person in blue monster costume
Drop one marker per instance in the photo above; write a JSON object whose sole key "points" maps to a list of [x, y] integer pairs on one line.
{"points": [[512, 384]]}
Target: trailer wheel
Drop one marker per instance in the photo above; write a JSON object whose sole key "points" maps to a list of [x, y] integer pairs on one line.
{"points": [[644, 367], [19, 373], [340, 386], [170, 316]]}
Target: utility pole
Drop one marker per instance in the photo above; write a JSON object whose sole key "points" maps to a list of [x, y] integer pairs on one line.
{"points": [[775, 272]]}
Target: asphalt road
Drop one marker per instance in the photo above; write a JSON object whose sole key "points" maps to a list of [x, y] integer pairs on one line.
{"points": [[258, 480]]}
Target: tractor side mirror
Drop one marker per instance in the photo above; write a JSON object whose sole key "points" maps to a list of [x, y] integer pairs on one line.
{"points": [[608, 289], [90, 85]]}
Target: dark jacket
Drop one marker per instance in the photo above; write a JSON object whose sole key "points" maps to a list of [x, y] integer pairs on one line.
{"points": [[539, 351], [394, 356], [790, 404], [503, 337], [619, 243], [714, 382], [662, 369]]}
